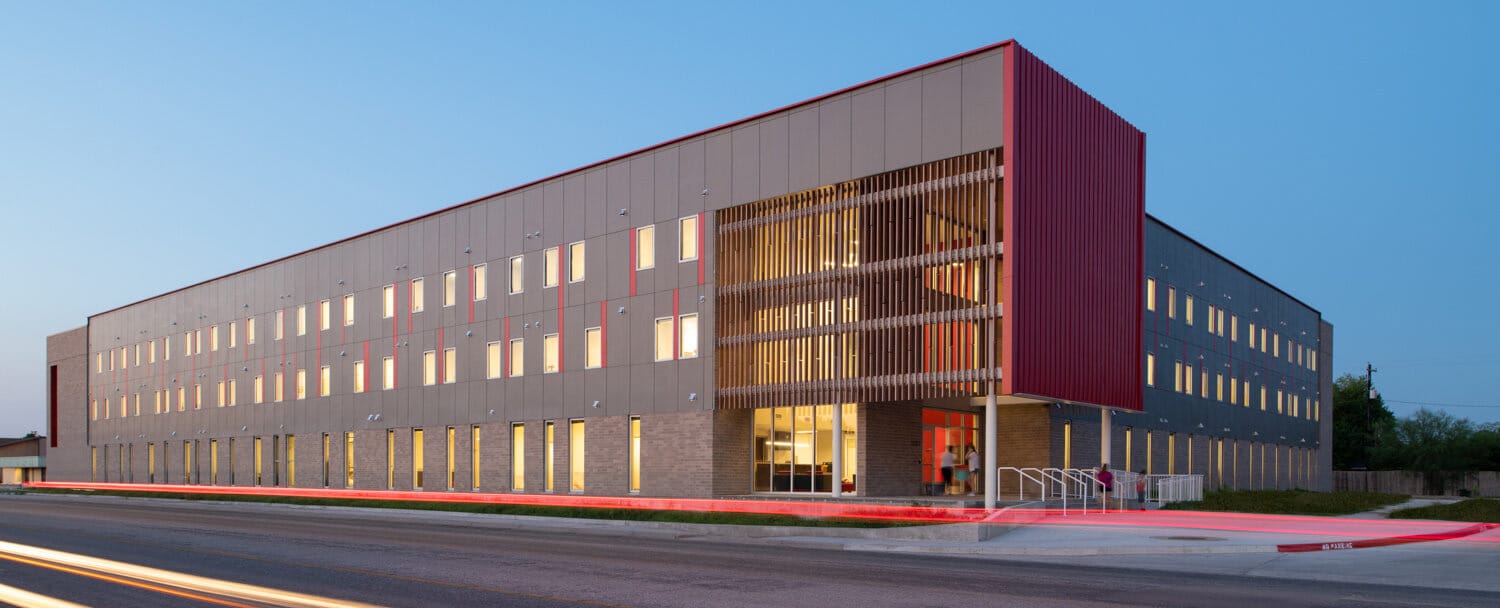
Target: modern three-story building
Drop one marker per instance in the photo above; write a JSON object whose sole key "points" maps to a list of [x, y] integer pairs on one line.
{"points": [[823, 298]]}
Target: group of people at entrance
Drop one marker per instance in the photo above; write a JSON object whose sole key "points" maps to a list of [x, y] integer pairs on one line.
{"points": [[1107, 485], [968, 476]]}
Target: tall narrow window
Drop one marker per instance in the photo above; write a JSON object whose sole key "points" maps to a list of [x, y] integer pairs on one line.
{"points": [[450, 365], [258, 390], [166, 349], [1150, 294], [302, 320], [197, 345], [429, 368], [387, 301], [549, 354], [687, 238], [449, 469], [645, 247], [418, 463], [1171, 302], [1177, 376], [492, 360], [450, 288], [687, 336], [291, 461], [549, 267], [349, 459], [349, 309], [390, 459], [517, 274], [233, 335], [1219, 323], [197, 396], [481, 283], [517, 357], [326, 450], [300, 386], [280, 330], [418, 295], [593, 348], [1187, 379], [518, 456], [664, 339], [213, 462], [233, 391], [258, 460], [575, 456], [359, 376], [635, 453], [151, 352], [1234, 390], [1150, 370], [280, 387], [388, 373], [250, 330], [325, 381], [325, 312], [1234, 328], [1203, 385], [576, 265], [181, 398], [1219, 387], [474, 456], [549, 464], [1188, 309]]}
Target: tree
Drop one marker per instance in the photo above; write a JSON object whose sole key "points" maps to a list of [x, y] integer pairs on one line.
{"points": [[1437, 445], [1362, 427]]}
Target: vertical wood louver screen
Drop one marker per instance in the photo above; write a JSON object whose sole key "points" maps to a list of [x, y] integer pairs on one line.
{"points": [[867, 290]]}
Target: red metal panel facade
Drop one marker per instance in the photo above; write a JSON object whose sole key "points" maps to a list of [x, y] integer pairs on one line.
{"points": [[1073, 214]]}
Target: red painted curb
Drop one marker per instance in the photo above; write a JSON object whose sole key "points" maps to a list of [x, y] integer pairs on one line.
{"points": [[1382, 542]]}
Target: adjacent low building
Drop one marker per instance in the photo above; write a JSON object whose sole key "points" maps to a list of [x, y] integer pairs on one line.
{"points": [[23, 459], [824, 298]]}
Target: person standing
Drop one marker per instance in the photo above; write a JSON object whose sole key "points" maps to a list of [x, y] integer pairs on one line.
{"points": [[947, 469], [1140, 490], [1106, 483], [973, 462]]}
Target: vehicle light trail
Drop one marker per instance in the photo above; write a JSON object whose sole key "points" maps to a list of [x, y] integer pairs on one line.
{"points": [[198, 588], [21, 598]]}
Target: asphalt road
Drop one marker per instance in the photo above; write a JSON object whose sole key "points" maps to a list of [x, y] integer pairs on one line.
{"points": [[338, 554]]}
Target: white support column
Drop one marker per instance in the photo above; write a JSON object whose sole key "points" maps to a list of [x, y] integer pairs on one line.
{"points": [[838, 450], [1104, 436], [991, 478]]}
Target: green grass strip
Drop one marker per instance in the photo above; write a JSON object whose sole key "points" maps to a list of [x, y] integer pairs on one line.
{"points": [[1482, 510], [687, 517], [1290, 502]]}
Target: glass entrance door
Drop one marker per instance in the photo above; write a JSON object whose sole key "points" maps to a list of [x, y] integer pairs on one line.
{"points": [[950, 432], [793, 449]]}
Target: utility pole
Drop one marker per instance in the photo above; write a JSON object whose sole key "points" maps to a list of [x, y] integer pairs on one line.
{"points": [[1369, 411]]}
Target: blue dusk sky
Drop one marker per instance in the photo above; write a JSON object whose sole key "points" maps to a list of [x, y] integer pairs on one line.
{"points": [[1345, 151]]}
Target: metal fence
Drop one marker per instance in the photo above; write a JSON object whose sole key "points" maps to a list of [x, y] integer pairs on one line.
{"points": [[1080, 488]]}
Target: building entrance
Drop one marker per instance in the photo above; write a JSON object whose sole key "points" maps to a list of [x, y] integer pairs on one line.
{"points": [[950, 432]]}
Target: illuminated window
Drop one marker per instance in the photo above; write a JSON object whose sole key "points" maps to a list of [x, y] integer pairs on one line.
{"points": [[137, 404], [1171, 302], [418, 464], [1275, 345], [635, 453], [575, 456], [166, 349], [450, 365], [593, 348], [688, 336], [325, 381], [664, 339], [1234, 328], [1219, 387], [390, 459], [517, 274], [1251, 336], [1203, 386], [1187, 379], [1279, 402], [450, 457], [1219, 325], [1150, 294], [550, 361], [197, 396], [418, 295], [1188, 309], [302, 320], [1177, 376], [325, 314], [1210, 318], [550, 273], [349, 309], [687, 238], [1246, 401], [300, 386], [233, 330], [450, 288], [481, 282], [549, 462], [576, 265], [1150, 370], [517, 357], [348, 459], [221, 394], [388, 301], [151, 352], [280, 324], [157, 396], [474, 457], [181, 398], [280, 388], [99, 362], [359, 376], [258, 389], [388, 373], [1234, 390], [645, 247], [1312, 360], [429, 368], [492, 360], [517, 456], [197, 345]]}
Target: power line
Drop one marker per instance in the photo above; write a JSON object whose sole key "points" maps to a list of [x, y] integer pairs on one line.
{"points": [[1496, 405]]}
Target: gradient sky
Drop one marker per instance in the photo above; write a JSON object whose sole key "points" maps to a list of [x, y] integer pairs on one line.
{"points": [[1347, 152]]}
